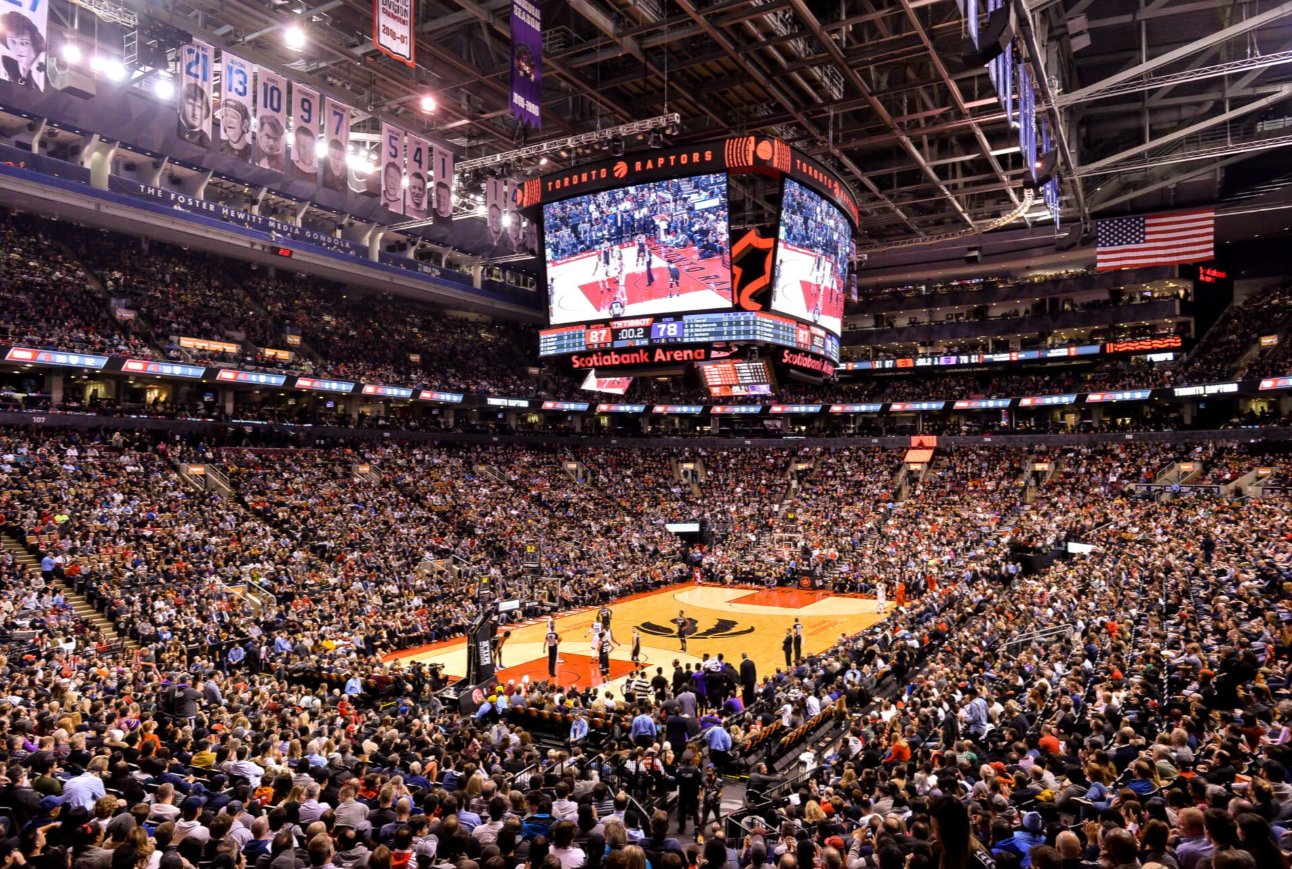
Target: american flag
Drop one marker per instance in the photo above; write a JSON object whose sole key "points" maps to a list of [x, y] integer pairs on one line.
{"points": [[1130, 242]]}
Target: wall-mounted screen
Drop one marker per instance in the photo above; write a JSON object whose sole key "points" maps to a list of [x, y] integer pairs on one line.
{"points": [[655, 248], [733, 377], [811, 265]]}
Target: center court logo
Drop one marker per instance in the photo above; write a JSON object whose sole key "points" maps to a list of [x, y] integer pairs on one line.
{"points": [[721, 629]]}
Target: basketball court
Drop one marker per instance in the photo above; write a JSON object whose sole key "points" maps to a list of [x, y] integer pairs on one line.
{"points": [[799, 291], [702, 284], [723, 619]]}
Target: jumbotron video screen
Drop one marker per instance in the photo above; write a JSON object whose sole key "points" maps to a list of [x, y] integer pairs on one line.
{"points": [[653, 248], [811, 265]]}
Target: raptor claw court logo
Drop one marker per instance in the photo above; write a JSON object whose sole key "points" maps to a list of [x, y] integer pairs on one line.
{"points": [[721, 629]]}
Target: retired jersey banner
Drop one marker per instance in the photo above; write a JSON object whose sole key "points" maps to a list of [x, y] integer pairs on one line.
{"points": [[194, 124], [442, 201], [514, 222], [417, 196], [236, 89], [526, 63], [305, 133], [392, 168], [271, 123], [495, 207], [22, 52], [336, 137], [392, 25]]}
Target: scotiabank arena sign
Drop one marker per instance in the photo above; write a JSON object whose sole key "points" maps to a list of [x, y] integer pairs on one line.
{"points": [[807, 362], [642, 356]]}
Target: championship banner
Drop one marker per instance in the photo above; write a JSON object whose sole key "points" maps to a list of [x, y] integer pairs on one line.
{"points": [[194, 125], [336, 134], [495, 202], [22, 54], [417, 199], [305, 133], [271, 121], [392, 28], [526, 63], [236, 89], [392, 168], [443, 199]]}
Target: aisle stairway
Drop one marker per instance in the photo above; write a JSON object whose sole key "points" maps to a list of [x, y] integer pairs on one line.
{"points": [[78, 603]]}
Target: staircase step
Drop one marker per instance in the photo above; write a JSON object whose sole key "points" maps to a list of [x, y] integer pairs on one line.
{"points": [[80, 606]]}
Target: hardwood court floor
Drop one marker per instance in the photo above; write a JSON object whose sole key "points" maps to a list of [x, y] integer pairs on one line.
{"points": [[728, 620]]}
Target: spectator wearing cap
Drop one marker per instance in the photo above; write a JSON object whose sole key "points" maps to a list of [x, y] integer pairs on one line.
{"points": [[189, 823]]}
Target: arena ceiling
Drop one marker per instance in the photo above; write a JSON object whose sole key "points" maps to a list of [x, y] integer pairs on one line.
{"points": [[1161, 100]]}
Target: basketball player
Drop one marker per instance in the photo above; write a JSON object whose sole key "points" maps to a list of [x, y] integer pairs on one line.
{"points": [[620, 300], [637, 648], [680, 621], [603, 656], [881, 598], [604, 617], [674, 280], [643, 255], [601, 270]]}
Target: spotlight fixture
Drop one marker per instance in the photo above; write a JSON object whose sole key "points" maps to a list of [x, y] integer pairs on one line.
{"points": [[428, 104], [72, 53], [617, 146], [294, 37], [164, 88], [655, 139]]}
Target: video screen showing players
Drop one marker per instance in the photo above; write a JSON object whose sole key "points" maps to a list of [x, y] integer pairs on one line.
{"points": [[811, 265], [652, 248]]}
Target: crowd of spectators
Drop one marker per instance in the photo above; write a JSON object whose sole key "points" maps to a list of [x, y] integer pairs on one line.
{"points": [[1130, 704]]}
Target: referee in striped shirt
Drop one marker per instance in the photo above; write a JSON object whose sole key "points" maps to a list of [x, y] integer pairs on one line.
{"points": [[636, 687]]}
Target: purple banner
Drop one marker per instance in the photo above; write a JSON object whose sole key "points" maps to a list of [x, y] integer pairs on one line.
{"points": [[526, 63]]}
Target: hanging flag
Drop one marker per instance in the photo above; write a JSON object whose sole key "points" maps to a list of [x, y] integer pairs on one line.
{"points": [[1051, 188], [495, 203], [271, 124], [392, 168], [1162, 239], [443, 200], [526, 63], [417, 197], [23, 59], [305, 133], [392, 28], [236, 89], [1027, 118], [336, 135], [513, 221], [194, 124]]}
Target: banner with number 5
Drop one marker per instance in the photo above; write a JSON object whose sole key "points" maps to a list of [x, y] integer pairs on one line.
{"points": [[392, 168]]}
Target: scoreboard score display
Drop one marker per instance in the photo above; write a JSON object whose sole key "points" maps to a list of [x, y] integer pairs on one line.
{"points": [[644, 276], [731, 377]]}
